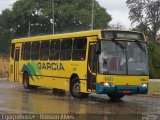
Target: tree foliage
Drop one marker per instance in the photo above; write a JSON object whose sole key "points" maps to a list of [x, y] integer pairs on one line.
{"points": [[117, 26], [154, 59], [69, 16], [147, 14]]}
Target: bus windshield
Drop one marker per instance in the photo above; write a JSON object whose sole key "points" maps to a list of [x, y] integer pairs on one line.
{"points": [[123, 58]]}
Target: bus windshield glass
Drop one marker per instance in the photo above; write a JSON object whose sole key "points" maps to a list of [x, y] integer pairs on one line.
{"points": [[130, 59]]}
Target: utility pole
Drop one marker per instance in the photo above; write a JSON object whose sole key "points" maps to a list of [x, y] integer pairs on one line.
{"points": [[92, 22], [53, 14], [29, 29]]}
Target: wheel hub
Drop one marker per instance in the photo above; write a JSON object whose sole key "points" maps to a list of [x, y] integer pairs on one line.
{"points": [[76, 88]]}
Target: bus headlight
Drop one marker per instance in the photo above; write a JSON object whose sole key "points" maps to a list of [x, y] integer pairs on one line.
{"points": [[106, 84], [144, 85]]}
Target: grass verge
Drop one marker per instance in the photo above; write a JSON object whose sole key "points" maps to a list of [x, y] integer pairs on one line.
{"points": [[154, 87]]}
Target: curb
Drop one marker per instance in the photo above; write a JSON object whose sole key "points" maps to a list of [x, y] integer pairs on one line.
{"points": [[155, 95]]}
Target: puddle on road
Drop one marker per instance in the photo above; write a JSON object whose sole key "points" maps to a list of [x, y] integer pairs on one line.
{"points": [[17, 100], [42, 101]]}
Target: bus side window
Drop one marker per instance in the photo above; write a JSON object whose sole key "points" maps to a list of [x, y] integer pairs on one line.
{"points": [[44, 50], [79, 49], [26, 47], [66, 49], [35, 50], [12, 50], [54, 50]]}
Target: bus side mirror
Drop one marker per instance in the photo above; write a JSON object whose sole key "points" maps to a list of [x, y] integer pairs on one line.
{"points": [[98, 47]]}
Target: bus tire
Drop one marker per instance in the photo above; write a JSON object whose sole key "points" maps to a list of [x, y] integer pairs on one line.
{"points": [[115, 96], [26, 81], [75, 89]]}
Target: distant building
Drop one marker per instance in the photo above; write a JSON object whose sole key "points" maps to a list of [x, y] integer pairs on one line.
{"points": [[4, 66]]}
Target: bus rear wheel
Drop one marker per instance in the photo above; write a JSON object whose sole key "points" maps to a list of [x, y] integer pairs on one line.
{"points": [[75, 89], [115, 96]]}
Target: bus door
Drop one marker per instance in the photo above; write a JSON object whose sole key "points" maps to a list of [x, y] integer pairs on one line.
{"points": [[92, 67], [16, 64]]}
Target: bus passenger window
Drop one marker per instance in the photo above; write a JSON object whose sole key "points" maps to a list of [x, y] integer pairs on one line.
{"points": [[26, 48], [54, 50], [12, 50], [79, 49], [66, 49], [44, 50], [35, 50]]}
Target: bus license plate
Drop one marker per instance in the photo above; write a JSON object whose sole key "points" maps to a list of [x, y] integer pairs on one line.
{"points": [[126, 91]]}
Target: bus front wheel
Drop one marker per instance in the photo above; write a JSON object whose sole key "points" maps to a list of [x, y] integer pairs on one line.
{"points": [[26, 81], [115, 96], [75, 89]]}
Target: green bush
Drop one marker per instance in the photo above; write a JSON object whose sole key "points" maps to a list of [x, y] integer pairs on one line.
{"points": [[154, 59]]}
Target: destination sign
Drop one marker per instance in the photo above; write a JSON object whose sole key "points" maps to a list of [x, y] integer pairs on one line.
{"points": [[125, 35]]}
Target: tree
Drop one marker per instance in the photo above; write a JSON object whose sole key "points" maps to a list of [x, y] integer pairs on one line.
{"points": [[117, 26], [147, 14], [70, 15], [5, 31], [154, 59]]}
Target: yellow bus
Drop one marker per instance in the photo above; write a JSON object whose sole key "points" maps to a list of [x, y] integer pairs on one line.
{"points": [[108, 62]]}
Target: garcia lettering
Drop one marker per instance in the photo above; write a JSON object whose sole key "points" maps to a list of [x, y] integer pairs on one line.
{"points": [[50, 66]]}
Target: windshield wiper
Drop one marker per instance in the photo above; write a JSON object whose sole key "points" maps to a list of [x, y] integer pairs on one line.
{"points": [[118, 43], [140, 45]]}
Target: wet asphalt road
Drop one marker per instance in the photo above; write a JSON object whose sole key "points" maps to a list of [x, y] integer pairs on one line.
{"points": [[15, 99]]}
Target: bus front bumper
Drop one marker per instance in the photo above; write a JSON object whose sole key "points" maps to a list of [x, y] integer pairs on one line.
{"points": [[121, 89]]}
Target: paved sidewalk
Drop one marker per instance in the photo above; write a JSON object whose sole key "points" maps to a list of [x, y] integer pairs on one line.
{"points": [[4, 78], [154, 80]]}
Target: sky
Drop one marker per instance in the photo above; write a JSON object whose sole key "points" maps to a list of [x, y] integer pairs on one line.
{"points": [[116, 8]]}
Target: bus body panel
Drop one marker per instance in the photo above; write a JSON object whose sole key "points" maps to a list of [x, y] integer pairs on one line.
{"points": [[83, 86], [119, 83], [53, 74], [50, 82], [123, 79]]}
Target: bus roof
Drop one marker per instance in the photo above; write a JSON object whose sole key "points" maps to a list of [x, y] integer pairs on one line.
{"points": [[59, 36], [68, 35]]}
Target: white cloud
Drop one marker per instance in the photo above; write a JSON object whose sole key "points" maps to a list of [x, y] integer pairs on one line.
{"points": [[118, 5], [118, 10], [6, 4]]}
